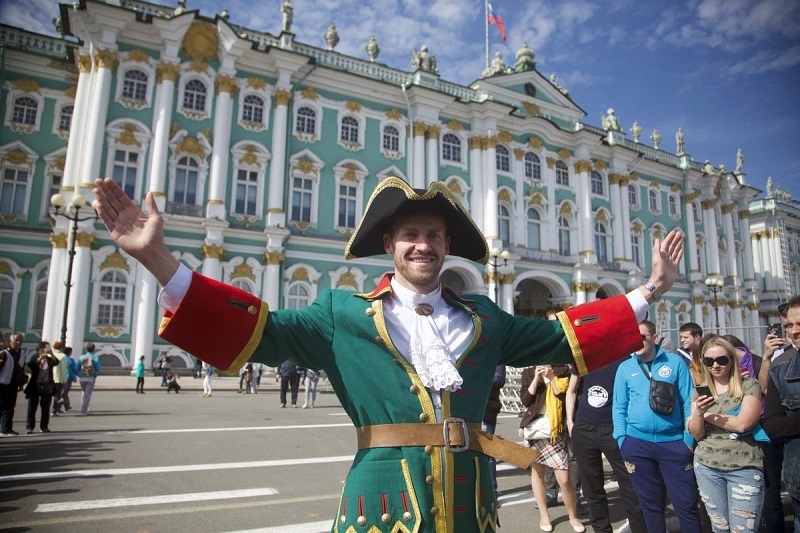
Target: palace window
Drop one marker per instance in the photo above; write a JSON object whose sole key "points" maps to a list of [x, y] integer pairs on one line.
{"points": [[451, 148], [253, 109], [503, 159], [13, 190], [302, 196], [134, 85], [186, 181], [25, 111], [562, 174], [306, 120], [246, 192], [194, 96], [124, 170], [534, 229], [533, 166], [113, 293], [597, 183]]}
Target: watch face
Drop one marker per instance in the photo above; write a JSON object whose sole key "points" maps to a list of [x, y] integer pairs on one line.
{"points": [[530, 90]]}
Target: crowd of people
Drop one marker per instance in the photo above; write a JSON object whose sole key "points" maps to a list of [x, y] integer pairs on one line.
{"points": [[709, 426], [45, 378]]}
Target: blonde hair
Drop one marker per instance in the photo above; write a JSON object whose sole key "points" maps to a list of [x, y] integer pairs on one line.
{"points": [[735, 388]]}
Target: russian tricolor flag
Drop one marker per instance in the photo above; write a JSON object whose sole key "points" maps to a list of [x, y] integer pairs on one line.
{"points": [[497, 20]]}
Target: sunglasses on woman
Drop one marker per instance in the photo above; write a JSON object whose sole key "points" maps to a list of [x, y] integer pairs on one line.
{"points": [[722, 360]]}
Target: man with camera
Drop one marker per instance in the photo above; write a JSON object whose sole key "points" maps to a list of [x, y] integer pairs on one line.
{"points": [[652, 401], [782, 408]]}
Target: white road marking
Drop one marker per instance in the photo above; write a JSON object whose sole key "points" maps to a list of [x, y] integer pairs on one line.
{"points": [[153, 500], [175, 468], [215, 430], [311, 527]]}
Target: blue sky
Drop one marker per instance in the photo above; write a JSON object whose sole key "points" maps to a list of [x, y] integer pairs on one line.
{"points": [[726, 71]]}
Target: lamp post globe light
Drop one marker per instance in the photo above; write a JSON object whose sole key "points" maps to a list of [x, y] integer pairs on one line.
{"points": [[72, 213], [715, 285], [496, 255]]}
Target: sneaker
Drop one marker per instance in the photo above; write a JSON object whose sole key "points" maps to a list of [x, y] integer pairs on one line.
{"points": [[45, 430], [625, 528], [10, 433], [30, 432], [283, 405]]}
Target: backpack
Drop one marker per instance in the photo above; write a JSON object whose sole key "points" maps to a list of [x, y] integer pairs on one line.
{"points": [[87, 367]]}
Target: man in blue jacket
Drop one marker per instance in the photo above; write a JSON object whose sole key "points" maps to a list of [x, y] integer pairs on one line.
{"points": [[656, 447]]}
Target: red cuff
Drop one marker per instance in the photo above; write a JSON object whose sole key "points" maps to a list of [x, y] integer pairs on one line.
{"points": [[217, 323], [600, 332]]}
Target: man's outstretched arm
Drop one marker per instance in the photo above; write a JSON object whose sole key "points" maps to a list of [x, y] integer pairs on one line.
{"points": [[139, 234]]}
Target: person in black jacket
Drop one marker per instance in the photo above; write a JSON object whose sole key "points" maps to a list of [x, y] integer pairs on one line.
{"points": [[493, 407], [290, 378], [39, 390]]}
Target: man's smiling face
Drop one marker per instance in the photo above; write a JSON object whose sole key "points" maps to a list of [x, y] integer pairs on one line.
{"points": [[419, 244]]}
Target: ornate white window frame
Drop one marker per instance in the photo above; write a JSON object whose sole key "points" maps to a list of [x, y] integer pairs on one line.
{"points": [[348, 278], [194, 71], [18, 156], [19, 89], [305, 165], [394, 119], [104, 260], [352, 173], [131, 136], [136, 60], [250, 156], [354, 110], [254, 87], [463, 143], [304, 275], [309, 100], [198, 148]]}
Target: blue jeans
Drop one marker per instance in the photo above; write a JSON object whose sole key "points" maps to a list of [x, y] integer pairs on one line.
{"points": [[733, 498], [656, 466]]}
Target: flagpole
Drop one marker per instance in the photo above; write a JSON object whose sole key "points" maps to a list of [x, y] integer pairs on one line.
{"points": [[486, 22]]}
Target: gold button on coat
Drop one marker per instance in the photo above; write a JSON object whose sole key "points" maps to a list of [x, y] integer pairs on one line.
{"points": [[361, 521], [578, 322], [386, 518], [423, 417], [369, 312], [252, 310], [428, 449], [434, 510], [414, 389], [429, 479], [407, 516]]}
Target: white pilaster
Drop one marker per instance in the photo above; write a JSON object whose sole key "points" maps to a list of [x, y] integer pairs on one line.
{"points": [[146, 310], [72, 165], [97, 111], [159, 150], [223, 110], [617, 222], [490, 189], [432, 155], [418, 173], [51, 329], [276, 216], [79, 301], [476, 178]]}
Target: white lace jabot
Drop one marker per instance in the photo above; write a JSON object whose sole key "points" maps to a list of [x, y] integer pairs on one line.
{"points": [[428, 350]]}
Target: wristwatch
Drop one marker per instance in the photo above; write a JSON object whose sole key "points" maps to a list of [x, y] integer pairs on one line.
{"points": [[650, 286]]}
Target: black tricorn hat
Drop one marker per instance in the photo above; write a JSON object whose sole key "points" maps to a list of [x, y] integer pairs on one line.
{"points": [[393, 197]]}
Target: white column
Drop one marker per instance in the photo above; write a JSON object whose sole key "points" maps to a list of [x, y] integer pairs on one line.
{"points": [[77, 127], [579, 288], [223, 109], [730, 244], [146, 307], [54, 308], [490, 189], [276, 216], [272, 280], [432, 154], [166, 75], [699, 300], [747, 248], [617, 222], [710, 225], [626, 219], [212, 261], [688, 214], [79, 297], [520, 221], [768, 267], [476, 179], [104, 60], [586, 251], [418, 172], [550, 238]]}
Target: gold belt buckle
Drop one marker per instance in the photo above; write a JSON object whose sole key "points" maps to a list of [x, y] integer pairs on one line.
{"points": [[464, 433]]}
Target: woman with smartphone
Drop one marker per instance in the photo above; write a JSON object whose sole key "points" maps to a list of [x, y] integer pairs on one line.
{"points": [[728, 462]]}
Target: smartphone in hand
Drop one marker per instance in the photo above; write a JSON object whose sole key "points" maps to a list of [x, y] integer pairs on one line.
{"points": [[703, 390], [775, 329]]}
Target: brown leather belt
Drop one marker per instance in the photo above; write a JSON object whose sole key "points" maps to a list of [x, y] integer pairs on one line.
{"points": [[454, 434]]}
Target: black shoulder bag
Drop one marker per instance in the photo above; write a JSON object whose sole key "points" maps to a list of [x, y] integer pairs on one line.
{"points": [[662, 394]]}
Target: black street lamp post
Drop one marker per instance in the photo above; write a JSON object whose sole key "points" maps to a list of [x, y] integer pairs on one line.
{"points": [[495, 255], [715, 285], [73, 214]]}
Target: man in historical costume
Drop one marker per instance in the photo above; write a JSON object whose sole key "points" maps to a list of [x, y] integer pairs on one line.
{"points": [[410, 361]]}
